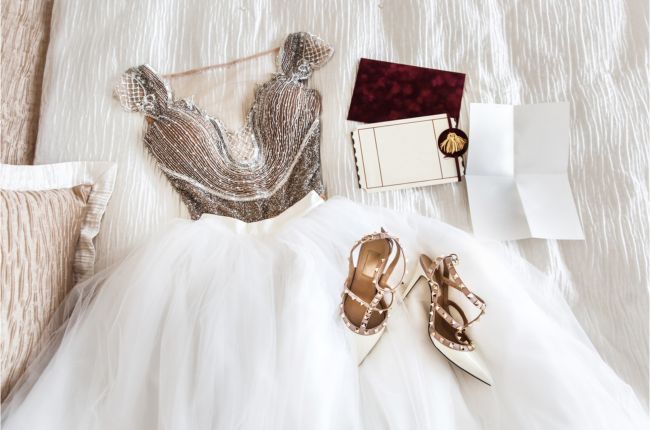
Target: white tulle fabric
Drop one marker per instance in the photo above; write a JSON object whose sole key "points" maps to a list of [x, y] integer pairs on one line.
{"points": [[215, 324]]}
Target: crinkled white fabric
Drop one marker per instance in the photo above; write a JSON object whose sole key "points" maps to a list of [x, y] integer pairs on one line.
{"points": [[215, 325], [593, 54]]}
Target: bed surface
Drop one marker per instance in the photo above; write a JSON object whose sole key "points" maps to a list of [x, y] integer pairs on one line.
{"points": [[593, 54], [25, 34]]}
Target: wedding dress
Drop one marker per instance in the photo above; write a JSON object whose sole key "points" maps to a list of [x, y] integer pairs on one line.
{"points": [[230, 320]]}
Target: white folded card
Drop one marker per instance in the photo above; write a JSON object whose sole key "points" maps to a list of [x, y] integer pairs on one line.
{"points": [[403, 154], [517, 180]]}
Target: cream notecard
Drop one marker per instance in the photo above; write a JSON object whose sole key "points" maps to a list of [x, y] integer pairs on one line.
{"points": [[517, 180], [403, 154]]}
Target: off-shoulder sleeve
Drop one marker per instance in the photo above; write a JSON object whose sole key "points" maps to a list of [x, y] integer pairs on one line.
{"points": [[140, 89], [301, 54]]}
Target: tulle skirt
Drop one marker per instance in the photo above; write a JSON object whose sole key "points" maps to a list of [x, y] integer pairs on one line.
{"points": [[217, 324]]}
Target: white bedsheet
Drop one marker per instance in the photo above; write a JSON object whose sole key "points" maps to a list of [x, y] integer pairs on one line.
{"points": [[591, 53]]}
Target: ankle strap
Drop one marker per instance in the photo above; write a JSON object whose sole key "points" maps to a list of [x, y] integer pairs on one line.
{"points": [[380, 278], [449, 262]]}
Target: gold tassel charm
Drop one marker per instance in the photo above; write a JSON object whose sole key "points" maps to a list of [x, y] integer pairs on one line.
{"points": [[453, 143]]}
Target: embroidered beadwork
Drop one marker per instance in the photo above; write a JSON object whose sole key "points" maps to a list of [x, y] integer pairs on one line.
{"points": [[251, 174]]}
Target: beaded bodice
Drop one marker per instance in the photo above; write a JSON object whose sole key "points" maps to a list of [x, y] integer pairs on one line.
{"points": [[256, 172]]}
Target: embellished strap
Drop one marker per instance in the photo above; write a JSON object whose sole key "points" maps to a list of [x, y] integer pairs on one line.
{"points": [[301, 54], [380, 277], [373, 305], [445, 265], [449, 262], [451, 320], [370, 306], [141, 89]]}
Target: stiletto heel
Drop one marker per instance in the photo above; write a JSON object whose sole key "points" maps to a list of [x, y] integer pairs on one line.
{"points": [[418, 275], [367, 297], [446, 332]]}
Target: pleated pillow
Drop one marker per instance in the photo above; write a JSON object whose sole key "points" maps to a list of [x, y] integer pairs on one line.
{"points": [[49, 216]]}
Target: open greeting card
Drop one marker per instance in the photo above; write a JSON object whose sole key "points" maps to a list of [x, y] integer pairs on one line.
{"points": [[517, 179]]}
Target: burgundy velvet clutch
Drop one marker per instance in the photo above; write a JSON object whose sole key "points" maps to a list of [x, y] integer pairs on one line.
{"points": [[387, 91]]}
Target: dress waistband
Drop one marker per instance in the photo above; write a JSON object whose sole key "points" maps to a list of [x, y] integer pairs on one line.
{"points": [[298, 209]]}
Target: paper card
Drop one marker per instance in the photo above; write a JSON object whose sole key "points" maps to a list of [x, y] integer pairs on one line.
{"points": [[517, 180], [403, 154], [385, 91]]}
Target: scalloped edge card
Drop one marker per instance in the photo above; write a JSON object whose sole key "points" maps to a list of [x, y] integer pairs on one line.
{"points": [[403, 154]]}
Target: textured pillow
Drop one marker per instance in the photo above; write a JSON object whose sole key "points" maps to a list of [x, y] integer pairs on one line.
{"points": [[49, 216]]}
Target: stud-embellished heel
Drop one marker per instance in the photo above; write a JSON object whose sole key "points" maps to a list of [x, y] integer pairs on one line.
{"points": [[367, 297], [447, 320]]}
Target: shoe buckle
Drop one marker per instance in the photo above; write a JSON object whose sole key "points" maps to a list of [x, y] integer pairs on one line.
{"points": [[454, 259]]}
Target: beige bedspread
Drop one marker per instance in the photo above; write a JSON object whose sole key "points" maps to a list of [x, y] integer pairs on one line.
{"points": [[25, 36]]}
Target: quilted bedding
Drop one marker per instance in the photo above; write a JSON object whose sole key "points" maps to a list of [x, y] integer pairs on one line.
{"points": [[591, 53]]}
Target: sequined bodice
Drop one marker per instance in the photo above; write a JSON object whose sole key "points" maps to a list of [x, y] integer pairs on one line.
{"points": [[252, 174]]}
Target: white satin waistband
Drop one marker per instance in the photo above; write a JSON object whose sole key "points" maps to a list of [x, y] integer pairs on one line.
{"points": [[298, 209]]}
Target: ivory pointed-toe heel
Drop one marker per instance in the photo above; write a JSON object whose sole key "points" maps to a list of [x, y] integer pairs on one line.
{"points": [[448, 323], [367, 297]]}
